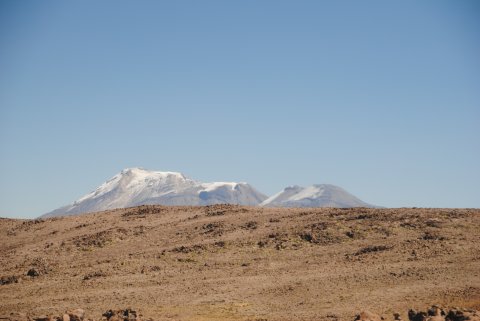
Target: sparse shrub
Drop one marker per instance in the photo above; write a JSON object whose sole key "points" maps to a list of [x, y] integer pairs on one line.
{"points": [[251, 225], [93, 275], [371, 249], [432, 236]]}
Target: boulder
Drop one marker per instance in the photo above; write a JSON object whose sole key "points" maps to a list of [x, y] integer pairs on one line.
{"points": [[436, 314], [463, 315], [417, 316], [33, 273], [121, 315]]}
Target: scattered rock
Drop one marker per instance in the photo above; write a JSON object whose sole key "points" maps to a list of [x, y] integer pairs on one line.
{"points": [[307, 237], [222, 209], [251, 225], [143, 211], [95, 240], [262, 244], [463, 315], [39, 266], [33, 273], [321, 234], [213, 212], [79, 315], [432, 236], [215, 228], [435, 313], [187, 249], [155, 268], [120, 315], [8, 279], [417, 316], [93, 275], [371, 249]]}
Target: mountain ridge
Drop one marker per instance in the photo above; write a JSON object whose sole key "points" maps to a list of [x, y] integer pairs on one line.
{"points": [[137, 186]]}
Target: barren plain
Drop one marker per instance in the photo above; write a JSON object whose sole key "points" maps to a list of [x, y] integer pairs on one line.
{"points": [[225, 262]]}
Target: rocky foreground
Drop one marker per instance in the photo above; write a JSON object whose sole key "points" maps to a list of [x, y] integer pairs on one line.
{"points": [[242, 263], [435, 313]]}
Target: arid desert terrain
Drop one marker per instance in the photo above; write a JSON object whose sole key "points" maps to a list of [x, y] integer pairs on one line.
{"points": [[226, 262]]}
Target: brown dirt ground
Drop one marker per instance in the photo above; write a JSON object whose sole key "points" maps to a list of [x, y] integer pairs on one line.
{"points": [[227, 262]]}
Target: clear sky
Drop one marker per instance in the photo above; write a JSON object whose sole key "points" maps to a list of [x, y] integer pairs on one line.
{"points": [[379, 97]]}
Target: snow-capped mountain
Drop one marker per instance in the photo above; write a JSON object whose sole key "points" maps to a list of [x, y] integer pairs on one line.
{"points": [[321, 195], [136, 186]]}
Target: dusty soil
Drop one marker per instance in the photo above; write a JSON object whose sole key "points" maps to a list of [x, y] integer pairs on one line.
{"points": [[242, 263]]}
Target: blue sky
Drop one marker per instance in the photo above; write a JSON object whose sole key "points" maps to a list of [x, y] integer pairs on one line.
{"points": [[379, 97]]}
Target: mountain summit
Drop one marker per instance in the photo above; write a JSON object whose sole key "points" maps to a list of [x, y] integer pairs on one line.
{"points": [[137, 186], [319, 195]]}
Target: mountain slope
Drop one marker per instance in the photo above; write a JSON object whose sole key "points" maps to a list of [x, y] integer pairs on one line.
{"points": [[183, 263], [136, 186], [320, 195]]}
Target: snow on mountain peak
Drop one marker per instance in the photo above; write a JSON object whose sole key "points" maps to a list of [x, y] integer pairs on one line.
{"points": [[318, 195], [143, 173], [215, 185], [314, 191], [138, 186]]}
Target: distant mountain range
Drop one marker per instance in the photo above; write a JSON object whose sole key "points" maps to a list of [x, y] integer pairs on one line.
{"points": [[137, 186]]}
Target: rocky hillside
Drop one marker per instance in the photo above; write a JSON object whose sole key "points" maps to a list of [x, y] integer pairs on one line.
{"points": [[241, 263]]}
